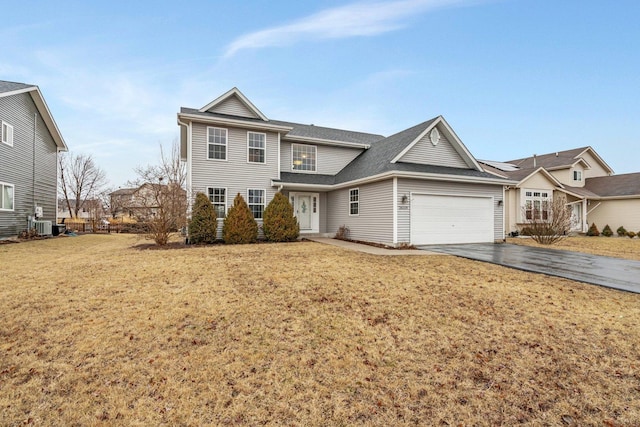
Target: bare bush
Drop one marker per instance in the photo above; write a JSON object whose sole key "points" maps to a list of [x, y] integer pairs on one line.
{"points": [[548, 222]]}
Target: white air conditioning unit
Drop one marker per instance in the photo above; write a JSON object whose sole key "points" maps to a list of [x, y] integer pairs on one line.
{"points": [[43, 227]]}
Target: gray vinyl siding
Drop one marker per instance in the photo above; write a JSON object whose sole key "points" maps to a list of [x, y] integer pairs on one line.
{"points": [[235, 174], [375, 220], [443, 154], [234, 107], [408, 186], [17, 164], [329, 159]]}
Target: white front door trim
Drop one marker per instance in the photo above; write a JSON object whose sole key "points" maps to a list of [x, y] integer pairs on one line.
{"points": [[306, 204]]}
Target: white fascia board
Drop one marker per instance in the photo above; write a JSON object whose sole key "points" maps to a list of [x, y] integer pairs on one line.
{"points": [[545, 173], [309, 139], [17, 91], [306, 187], [235, 91], [461, 145], [571, 193], [232, 122], [415, 141], [41, 104], [425, 176], [597, 156]]}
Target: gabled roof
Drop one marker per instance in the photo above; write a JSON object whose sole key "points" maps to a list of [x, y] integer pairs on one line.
{"points": [[239, 95], [123, 191], [615, 185], [13, 88], [559, 159]]}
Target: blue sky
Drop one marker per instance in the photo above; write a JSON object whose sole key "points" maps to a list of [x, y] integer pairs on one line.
{"points": [[512, 77]]}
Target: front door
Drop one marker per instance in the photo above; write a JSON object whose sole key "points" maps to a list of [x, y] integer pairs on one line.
{"points": [[576, 217], [303, 211]]}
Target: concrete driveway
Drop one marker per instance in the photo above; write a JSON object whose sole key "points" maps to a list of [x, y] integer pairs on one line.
{"points": [[614, 273]]}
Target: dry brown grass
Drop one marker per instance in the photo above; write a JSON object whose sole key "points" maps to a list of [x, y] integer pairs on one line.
{"points": [[304, 334], [620, 247]]}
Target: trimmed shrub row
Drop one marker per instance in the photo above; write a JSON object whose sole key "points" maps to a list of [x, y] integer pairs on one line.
{"points": [[239, 226], [607, 232]]}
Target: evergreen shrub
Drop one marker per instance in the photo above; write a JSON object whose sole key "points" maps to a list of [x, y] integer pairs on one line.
{"points": [[203, 226], [279, 223], [239, 225]]}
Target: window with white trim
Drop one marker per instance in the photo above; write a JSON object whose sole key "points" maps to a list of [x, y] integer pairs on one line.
{"points": [[256, 147], [354, 201], [303, 157], [218, 198], [7, 134], [255, 200], [577, 175], [536, 205], [216, 143], [6, 196]]}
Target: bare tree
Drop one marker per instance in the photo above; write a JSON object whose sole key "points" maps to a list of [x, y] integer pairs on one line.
{"points": [[80, 179], [547, 222], [161, 198]]}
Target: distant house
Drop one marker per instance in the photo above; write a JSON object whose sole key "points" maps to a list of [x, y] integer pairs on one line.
{"points": [[89, 209], [418, 186], [593, 193], [29, 144], [138, 203]]}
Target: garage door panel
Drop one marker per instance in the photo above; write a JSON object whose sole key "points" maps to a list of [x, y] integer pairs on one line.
{"points": [[437, 219]]}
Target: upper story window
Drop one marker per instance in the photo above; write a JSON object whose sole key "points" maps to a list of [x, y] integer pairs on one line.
{"points": [[354, 201], [218, 197], [256, 143], [577, 175], [255, 200], [6, 196], [303, 157], [7, 134], [216, 143], [536, 205]]}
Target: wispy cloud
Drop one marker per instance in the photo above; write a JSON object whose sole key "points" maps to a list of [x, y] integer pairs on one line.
{"points": [[352, 20]]}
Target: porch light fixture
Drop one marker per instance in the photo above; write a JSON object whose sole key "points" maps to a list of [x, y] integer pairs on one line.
{"points": [[499, 202], [405, 199]]}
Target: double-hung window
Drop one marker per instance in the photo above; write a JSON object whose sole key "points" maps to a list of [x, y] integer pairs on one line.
{"points": [[7, 134], [303, 157], [6, 196], [218, 197], [354, 201], [256, 147], [255, 200], [216, 143], [536, 205]]}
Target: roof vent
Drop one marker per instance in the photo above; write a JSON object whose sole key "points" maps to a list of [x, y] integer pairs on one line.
{"points": [[535, 163], [556, 154]]}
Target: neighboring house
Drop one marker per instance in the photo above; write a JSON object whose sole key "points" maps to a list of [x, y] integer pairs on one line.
{"points": [[90, 208], [29, 146], [419, 186], [138, 203], [593, 193]]}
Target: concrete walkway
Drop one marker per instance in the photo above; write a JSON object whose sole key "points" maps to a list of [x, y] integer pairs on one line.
{"points": [[368, 249], [604, 271]]}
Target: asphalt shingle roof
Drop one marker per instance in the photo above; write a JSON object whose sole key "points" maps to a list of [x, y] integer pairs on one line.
{"points": [[6, 86], [627, 184], [299, 129], [550, 160]]}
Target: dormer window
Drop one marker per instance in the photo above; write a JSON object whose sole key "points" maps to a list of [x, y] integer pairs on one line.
{"points": [[577, 175], [303, 157]]}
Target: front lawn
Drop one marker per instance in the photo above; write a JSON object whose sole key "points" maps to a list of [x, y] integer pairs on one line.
{"points": [[97, 332], [620, 247]]}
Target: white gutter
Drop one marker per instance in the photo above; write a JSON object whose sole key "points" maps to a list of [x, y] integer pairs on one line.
{"points": [[232, 122], [326, 141]]}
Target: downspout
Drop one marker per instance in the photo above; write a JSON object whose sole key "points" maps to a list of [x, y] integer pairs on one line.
{"points": [[189, 183], [35, 129]]}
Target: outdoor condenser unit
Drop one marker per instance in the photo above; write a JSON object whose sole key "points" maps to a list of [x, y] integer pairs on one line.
{"points": [[43, 227]]}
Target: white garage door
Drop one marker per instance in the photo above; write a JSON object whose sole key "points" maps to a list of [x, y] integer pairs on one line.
{"points": [[451, 219]]}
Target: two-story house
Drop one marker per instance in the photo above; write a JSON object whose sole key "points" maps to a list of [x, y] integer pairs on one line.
{"points": [[29, 146], [592, 191], [419, 186]]}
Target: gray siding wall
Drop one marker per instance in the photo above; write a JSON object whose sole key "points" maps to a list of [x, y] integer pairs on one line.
{"points": [[375, 221], [330, 160], [235, 174], [16, 164], [407, 186], [234, 107], [443, 154]]}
